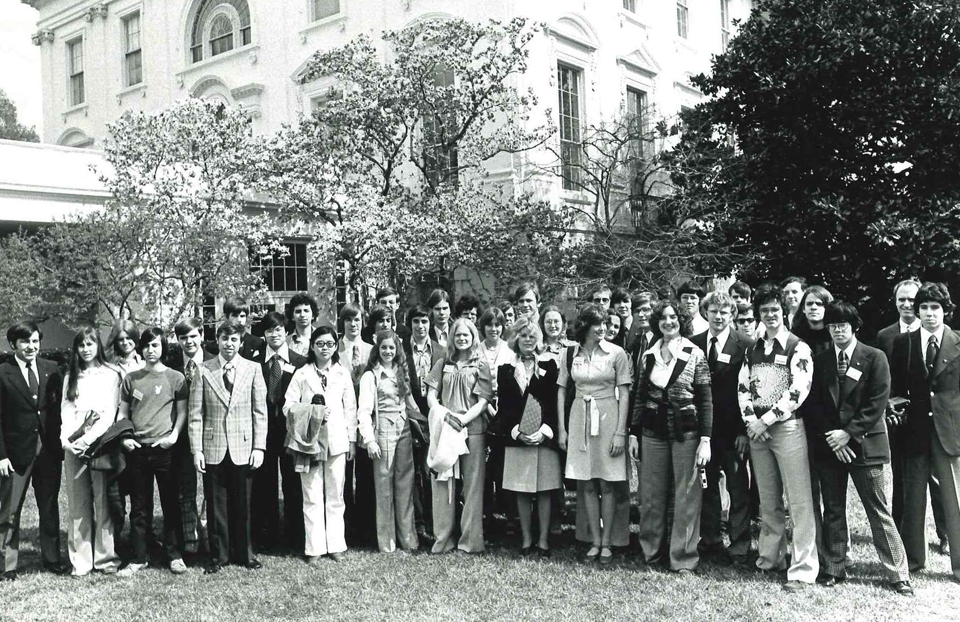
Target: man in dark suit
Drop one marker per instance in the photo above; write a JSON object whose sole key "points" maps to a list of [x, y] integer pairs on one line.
{"points": [[30, 393], [848, 437], [926, 370], [725, 350], [187, 360], [422, 353], [640, 336], [278, 364], [237, 310], [904, 294]]}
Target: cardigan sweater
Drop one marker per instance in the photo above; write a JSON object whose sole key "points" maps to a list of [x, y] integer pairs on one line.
{"points": [[684, 408]]}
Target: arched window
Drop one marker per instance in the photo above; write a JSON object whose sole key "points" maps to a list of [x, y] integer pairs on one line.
{"points": [[219, 26]]}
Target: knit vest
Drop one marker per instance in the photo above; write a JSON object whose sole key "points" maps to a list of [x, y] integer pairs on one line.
{"points": [[770, 374]]}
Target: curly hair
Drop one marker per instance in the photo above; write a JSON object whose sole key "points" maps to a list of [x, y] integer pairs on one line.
{"points": [[590, 315], [399, 361], [685, 321]]}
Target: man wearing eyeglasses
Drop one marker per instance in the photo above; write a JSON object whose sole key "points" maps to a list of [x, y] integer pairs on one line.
{"points": [[848, 438]]}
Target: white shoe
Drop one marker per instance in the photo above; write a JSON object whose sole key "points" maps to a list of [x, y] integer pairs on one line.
{"points": [[131, 569], [178, 567]]}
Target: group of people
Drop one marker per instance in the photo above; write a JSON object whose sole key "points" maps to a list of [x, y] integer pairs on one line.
{"points": [[390, 432]]}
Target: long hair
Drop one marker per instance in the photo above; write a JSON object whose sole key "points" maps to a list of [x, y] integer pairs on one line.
{"points": [[76, 363], [685, 321], [121, 327], [399, 362], [801, 325], [543, 314], [318, 332], [436, 297], [453, 354]]}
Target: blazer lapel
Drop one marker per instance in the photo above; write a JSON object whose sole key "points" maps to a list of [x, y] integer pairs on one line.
{"points": [[216, 381], [833, 379], [857, 362], [16, 378], [240, 378], [949, 350], [678, 369]]}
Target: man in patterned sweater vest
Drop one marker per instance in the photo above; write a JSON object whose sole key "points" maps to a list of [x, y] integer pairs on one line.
{"points": [[774, 381]]}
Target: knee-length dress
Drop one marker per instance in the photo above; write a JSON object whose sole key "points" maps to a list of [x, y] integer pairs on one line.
{"points": [[529, 468], [594, 413]]}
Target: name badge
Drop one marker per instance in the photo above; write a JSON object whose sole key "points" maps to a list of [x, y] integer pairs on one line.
{"points": [[287, 367], [723, 358], [780, 359], [854, 374], [682, 355], [137, 395], [449, 369], [578, 362]]}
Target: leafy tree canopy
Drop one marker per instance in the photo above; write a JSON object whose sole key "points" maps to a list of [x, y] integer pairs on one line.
{"points": [[10, 126]]}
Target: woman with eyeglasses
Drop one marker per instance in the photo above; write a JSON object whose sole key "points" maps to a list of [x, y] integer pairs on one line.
{"points": [[324, 381]]}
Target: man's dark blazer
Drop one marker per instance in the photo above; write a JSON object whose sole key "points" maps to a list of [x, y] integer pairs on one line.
{"points": [[856, 406], [296, 361], [727, 420], [22, 418], [934, 400], [175, 361], [418, 392], [886, 336]]}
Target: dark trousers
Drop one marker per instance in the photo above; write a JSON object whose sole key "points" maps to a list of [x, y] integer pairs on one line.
{"points": [[360, 499], [422, 491], [265, 507], [868, 480], [44, 472], [738, 486], [896, 466], [144, 465], [226, 487], [190, 535]]}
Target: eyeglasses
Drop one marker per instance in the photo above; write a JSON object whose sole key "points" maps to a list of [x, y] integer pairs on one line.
{"points": [[325, 344], [744, 320], [839, 328]]}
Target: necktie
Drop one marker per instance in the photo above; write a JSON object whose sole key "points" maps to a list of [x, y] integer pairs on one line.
{"points": [[712, 358], [323, 380], [841, 364], [228, 378], [355, 357], [641, 350], [34, 383], [931, 358], [191, 371], [273, 383]]}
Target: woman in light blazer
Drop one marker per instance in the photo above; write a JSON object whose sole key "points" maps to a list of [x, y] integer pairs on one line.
{"points": [[323, 380]]}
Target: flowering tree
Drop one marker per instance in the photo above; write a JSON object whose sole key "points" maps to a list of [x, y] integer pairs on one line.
{"points": [[178, 226], [389, 177]]}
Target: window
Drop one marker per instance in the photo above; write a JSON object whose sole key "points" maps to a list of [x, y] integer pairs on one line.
{"points": [[132, 59], [724, 23], [283, 272], [569, 80], [630, 5], [75, 61], [219, 26], [440, 159], [636, 119], [683, 19], [323, 9]]}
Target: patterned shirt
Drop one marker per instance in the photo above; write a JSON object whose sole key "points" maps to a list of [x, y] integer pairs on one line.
{"points": [[777, 382]]}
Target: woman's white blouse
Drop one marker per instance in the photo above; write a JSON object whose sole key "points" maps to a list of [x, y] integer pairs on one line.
{"points": [[98, 390]]}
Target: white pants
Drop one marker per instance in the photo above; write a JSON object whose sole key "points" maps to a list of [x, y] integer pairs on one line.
{"points": [[89, 526], [323, 506]]}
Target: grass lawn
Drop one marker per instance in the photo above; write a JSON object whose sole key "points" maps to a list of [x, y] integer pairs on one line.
{"points": [[495, 586]]}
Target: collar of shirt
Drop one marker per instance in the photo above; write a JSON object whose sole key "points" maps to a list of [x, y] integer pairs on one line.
{"points": [[283, 353], [224, 364], [925, 337], [346, 345], [909, 328], [388, 372], [848, 350], [780, 337], [674, 345], [721, 339], [426, 348], [23, 367]]}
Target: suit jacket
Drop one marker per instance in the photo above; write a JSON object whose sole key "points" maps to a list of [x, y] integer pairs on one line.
{"points": [[222, 421], [886, 336], [727, 420], [25, 417], [340, 398], [420, 392], [296, 362], [175, 362], [855, 405], [935, 399]]}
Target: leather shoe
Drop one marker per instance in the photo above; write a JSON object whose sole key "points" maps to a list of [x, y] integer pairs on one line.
{"points": [[337, 557], [686, 572], [902, 587], [828, 580], [10, 575], [56, 568], [527, 551], [311, 560], [794, 586], [944, 548], [253, 564], [543, 553], [213, 569]]}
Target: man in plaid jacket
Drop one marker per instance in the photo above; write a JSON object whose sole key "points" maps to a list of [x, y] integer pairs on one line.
{"points": [[228, 436]]}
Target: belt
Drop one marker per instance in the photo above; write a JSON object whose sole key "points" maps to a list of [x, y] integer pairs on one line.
{"points": [[591, 419]]}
